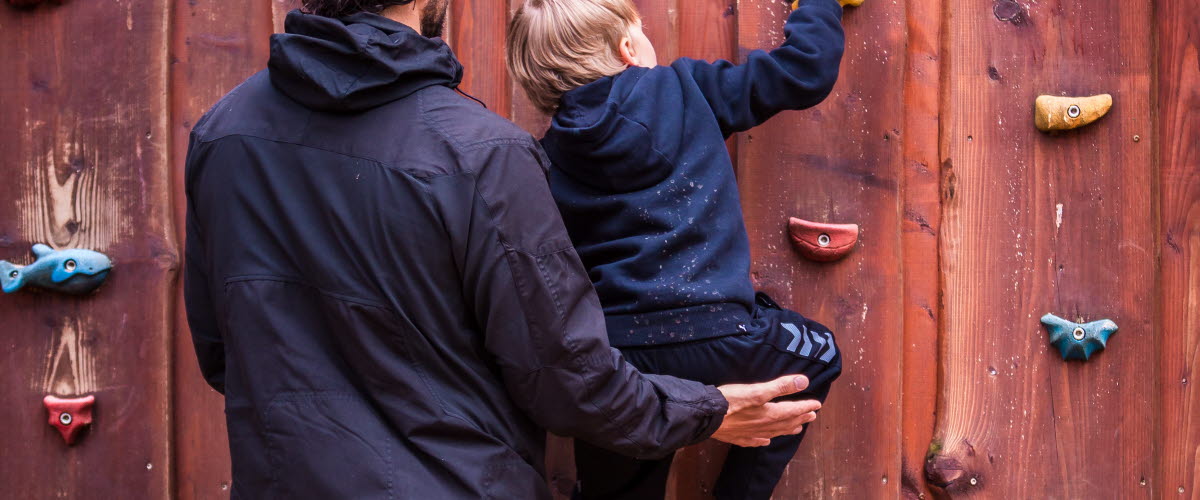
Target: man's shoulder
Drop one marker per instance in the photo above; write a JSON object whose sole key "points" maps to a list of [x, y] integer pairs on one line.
{"points": [[252, 108], [466, 124]]}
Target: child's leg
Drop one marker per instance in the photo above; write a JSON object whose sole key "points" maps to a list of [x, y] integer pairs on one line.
{"points": [[603, 474], [797, 345]]}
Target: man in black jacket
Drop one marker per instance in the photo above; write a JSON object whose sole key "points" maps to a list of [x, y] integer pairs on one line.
{"points": [[379, 282]]}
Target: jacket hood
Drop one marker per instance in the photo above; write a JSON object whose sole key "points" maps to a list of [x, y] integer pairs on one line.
{"points": [[357, 62], [593, 139]]}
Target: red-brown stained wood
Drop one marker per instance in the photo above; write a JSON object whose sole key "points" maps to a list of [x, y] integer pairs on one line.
{"points": [[705, 29], [215, 45], [921, 223], [477, 35], [83, 100], [1037, 223], [1177, 136], [838, 162]]}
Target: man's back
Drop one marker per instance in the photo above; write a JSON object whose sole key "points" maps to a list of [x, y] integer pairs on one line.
{"points": [[379, 296]]}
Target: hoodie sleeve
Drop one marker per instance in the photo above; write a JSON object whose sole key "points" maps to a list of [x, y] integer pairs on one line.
{"points": [[543, 323], [797, 75]]}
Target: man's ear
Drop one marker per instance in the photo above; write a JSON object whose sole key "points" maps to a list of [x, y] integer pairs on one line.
{"points": [[627, 53]]}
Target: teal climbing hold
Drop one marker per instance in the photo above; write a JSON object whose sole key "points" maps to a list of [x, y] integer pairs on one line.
{"points": [[74, 271], [1078, 340]]}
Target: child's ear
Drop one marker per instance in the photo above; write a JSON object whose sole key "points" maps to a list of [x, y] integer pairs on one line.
{"points": [[627, 53]]}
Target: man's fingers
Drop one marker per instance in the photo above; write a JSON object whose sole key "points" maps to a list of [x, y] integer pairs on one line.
{"points": [[782, 386], [783, 409]]}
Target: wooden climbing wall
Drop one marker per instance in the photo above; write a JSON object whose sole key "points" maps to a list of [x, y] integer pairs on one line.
{"points": [[973, 225]]}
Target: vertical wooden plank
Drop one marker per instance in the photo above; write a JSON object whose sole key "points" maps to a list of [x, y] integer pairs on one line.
{"points": [[279, 10], [839, 162], [215, 45], [477, 35], [1036, 223], [1178, 139], [922, 221], [705, 29], [86, 166], [660, 21]]}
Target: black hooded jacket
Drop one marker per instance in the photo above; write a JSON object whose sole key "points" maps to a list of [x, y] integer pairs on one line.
{"points": [[379, 282]]}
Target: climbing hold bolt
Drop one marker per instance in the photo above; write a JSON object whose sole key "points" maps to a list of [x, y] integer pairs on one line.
{"points": [[822, 242], [74, 271], [69, 415], [1066, 113], [1075, 340]]}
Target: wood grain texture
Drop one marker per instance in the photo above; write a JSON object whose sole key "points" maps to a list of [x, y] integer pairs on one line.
{"points": [[83, 96], [704, 29], [1177, 136], [840, 162], [1038, 223], [477, 35], [215, 45], [919, 236]]}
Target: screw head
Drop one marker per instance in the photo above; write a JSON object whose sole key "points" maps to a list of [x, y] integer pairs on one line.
{"points": [[65, 418], [1137, 138], [69, 265], [974, 481], [823, 240], [1078, 333], [1073, 111], [14, 274]]}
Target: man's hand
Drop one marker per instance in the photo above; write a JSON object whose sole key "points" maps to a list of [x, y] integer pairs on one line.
{"points": [[752, 419]]}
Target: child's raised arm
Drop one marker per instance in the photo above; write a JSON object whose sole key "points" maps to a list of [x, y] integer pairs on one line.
{"points": [[797, 75]]}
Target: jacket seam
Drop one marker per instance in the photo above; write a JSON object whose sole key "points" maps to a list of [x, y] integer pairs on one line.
{"points": [[384, 164], [458, 145], [296, 281]]}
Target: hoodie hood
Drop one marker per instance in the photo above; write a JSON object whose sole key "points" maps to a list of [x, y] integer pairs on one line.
{"points": [[357, 62], [599, 137]]}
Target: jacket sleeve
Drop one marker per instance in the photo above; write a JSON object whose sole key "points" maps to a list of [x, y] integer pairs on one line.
{"points": [[543, 324], [797, 75], [202, 317]]}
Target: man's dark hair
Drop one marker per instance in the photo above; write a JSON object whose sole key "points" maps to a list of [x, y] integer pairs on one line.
{"points": [[343, 8]]}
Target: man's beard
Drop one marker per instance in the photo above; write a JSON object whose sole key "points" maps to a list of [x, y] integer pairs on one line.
{"points": [[433, 18]]}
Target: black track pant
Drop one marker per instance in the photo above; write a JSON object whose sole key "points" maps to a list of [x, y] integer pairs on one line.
{"points": [[778, 342]]}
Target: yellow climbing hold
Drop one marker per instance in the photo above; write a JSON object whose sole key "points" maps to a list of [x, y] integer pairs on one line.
{"points": [[1066, 113], [845, 3]]}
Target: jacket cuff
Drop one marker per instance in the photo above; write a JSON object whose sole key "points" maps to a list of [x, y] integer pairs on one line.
{"points": [[716, 406]]}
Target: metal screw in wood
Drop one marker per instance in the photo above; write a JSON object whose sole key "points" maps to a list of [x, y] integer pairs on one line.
{"points": [[69, 266], [823, 240], [1073, 111], [65, 418], [1078, 333]]}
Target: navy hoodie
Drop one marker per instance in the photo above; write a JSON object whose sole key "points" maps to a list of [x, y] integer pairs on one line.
{"points": [[647, 189]]}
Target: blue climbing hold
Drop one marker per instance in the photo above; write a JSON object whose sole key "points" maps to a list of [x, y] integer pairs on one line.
{"points": [[1078, 340], [74, 271]]}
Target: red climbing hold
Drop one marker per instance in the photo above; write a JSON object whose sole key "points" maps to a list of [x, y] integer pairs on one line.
{"points": [[822, 242], [69, 415]]}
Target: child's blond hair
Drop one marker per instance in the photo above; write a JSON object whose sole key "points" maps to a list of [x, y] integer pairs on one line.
{"points": [[558, 45]]}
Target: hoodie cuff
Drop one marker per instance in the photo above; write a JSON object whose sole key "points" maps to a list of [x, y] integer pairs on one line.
{"points": [[832, 6]]}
